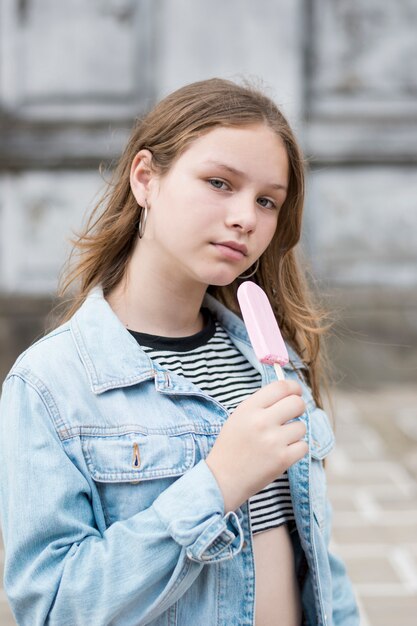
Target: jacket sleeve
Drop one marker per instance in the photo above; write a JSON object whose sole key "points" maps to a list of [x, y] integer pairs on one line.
{"points": [[60, 569]]}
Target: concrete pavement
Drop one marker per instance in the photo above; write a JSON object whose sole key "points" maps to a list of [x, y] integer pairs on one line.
{"points": [[372, 477]]}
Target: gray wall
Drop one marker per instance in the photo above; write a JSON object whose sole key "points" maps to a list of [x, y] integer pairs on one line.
{"points": [[74, 75]]}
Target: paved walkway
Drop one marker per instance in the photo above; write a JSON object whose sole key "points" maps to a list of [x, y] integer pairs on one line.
{"points": [[372, 476]]}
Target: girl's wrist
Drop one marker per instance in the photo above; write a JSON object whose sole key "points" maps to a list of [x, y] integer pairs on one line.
{"points": [[230, 499]]}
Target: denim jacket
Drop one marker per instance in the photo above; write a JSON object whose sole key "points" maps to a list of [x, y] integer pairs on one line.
{"points": [[110, 514]]}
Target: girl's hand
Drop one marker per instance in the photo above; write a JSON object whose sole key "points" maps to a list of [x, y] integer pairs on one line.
{"points": [[256, 444]]}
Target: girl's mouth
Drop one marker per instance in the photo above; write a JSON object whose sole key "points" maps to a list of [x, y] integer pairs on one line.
{"points": [[228, 252]]}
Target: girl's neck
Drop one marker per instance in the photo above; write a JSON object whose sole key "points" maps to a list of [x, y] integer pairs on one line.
{"points": [[151, 302]]}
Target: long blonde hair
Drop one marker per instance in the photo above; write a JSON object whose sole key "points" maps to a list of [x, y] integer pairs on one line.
{"points": [[106, 244]]}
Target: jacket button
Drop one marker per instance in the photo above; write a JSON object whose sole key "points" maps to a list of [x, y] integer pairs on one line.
{"points": [[244, 544]]}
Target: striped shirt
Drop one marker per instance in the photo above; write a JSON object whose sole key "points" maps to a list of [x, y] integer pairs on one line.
{"points": [[206, 358]]}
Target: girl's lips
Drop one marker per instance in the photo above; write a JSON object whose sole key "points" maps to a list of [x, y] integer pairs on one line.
{"points": [[230, 253]]}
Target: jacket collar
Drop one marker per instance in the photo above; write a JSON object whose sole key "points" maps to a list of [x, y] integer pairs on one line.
{"points": [[113, 358]]}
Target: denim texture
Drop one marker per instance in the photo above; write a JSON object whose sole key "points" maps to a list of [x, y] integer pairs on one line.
{"points": [[109, 512]]}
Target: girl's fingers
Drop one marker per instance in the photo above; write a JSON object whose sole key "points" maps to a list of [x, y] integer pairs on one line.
{"points": [[288, 408], [291, 433], [296, 451], [274, 392]]}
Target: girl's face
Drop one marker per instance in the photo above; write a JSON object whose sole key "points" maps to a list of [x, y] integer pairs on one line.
{"points": [[215, 211]]}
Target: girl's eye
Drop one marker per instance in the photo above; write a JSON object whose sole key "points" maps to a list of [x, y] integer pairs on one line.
{"points": [[264, 203], [217, 183]]}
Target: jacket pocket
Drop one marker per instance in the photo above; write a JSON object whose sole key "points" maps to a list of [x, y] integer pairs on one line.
{"points": [[321, 444], [131, 469]]}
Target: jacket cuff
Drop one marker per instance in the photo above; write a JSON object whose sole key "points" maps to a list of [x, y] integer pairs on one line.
{"points": [[192, 509]]}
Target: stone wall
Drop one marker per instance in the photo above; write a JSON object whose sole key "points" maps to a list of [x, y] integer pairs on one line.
{"points": [[73, 76]]}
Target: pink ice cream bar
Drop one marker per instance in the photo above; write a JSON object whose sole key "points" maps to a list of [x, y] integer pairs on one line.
{"points": [[262, 326]]}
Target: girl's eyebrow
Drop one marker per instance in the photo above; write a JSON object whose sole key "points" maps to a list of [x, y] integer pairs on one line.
{"points": [[233, 170]]}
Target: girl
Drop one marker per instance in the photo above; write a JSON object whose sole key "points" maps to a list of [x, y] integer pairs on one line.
{"points": [[152, 470]]}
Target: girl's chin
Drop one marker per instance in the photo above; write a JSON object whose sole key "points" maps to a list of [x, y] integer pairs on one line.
{"points": [[223, 281], [221, 277]]}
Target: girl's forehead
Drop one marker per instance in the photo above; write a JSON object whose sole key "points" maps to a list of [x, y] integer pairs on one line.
{"points": [[247, 148], [236, 141]]}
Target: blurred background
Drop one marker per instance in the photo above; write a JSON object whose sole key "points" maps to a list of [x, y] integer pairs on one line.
{"points": [[74, 75]]}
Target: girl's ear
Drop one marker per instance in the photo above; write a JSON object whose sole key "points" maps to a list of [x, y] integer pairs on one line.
{"points": [[141, 175]]}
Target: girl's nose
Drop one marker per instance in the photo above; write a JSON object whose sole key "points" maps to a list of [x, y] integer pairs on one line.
{"points": [[242, 215]]}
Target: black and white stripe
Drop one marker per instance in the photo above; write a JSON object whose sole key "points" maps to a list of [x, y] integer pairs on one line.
{"points": [[221, 371]]}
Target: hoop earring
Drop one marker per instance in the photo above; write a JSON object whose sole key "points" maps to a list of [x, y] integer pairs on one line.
{"points": [[142, 220], [252, 273]]}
